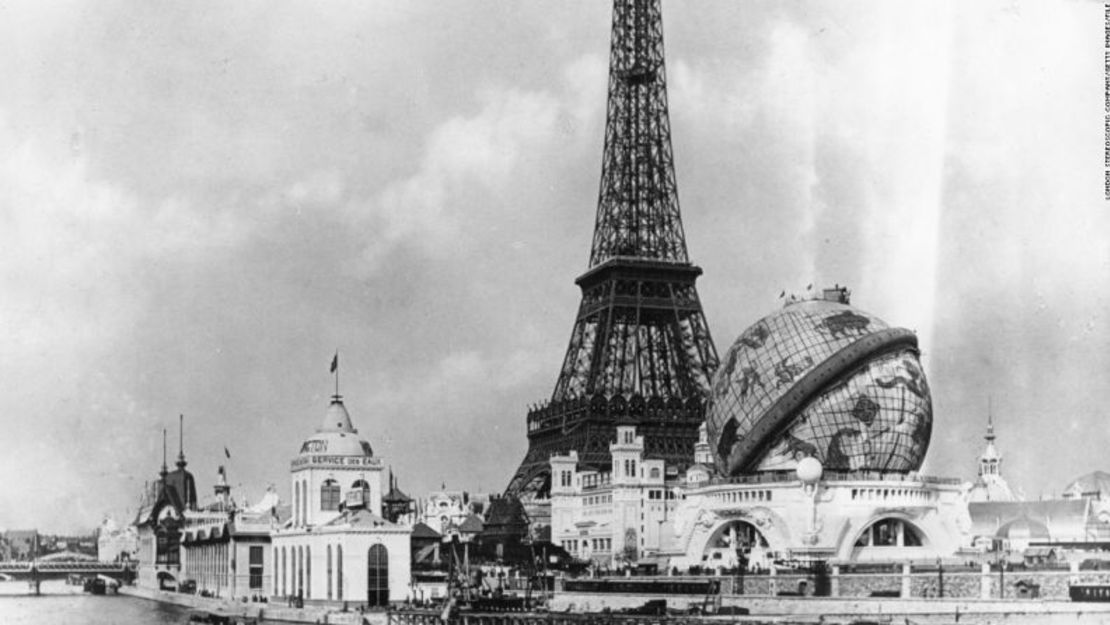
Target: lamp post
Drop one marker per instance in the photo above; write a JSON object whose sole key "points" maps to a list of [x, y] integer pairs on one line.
{"points": [[1001, 573], [940, 578], [809, 473]]}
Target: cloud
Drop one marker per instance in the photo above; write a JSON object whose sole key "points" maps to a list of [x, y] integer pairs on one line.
{"points": [[77, 253], [479, 151]]}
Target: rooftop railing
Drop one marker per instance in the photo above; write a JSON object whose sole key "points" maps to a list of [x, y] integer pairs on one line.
{"points": [[767, 477]]}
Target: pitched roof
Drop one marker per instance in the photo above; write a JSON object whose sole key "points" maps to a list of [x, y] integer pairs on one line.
{"points": [[423, 530], [396, 495], [359, 518], [471, 524]]}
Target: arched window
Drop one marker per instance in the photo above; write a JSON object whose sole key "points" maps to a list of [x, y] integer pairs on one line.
{"points": [[307, 572], [297, 503], [293, 571], [377, 576], [300, 571], [339, 572], [655, 473], [329, 573], [304, 502], [284, 565], [329, 495]]}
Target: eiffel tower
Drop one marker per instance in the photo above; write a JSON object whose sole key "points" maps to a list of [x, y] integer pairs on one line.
{"points": [[640, 352]]}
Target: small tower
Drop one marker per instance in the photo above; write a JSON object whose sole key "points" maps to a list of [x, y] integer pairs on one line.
{"points": [[181, 442], [222, 489], [703, 453], [627, 454], [989, 484], [396, 505], [335, 465], [990, 461]]}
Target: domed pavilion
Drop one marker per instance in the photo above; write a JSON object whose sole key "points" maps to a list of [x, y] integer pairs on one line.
{"points": [[337, 547], [819, 418]]}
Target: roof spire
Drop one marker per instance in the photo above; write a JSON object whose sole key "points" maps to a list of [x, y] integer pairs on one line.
{"points": [[990, 422], [164, 471], [181, 441], [335, 370]]}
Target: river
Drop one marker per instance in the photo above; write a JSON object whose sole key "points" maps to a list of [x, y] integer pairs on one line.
{"points": [[61, 604]]}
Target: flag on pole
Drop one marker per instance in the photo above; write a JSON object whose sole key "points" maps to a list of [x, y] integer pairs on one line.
{"points": [[335, 362], [227, 453]]}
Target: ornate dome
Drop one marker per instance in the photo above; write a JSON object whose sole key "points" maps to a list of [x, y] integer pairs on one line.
{"points": [[1094, 485], [336, 436], [819, 378]]}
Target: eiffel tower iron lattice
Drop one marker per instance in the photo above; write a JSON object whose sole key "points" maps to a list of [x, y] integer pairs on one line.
{"points": [[640, 352]]}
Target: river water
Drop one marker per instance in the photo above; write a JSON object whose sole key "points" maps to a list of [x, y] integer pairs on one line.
{"points": [[61, 604]]}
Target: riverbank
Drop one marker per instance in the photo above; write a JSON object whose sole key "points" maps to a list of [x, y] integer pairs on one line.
{"points": [[762, 609], [22, 588], [846, 609], [257, 611]]}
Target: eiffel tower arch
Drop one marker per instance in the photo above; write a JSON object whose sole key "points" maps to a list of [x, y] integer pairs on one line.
{"points": [[640, 352]]}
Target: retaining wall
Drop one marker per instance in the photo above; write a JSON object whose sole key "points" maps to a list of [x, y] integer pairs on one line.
{"points": [[265, 611]]}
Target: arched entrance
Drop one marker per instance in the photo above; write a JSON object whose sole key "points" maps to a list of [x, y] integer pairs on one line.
{"points": [[734, 545], [891, 532], [377, 576], [887, 539], [166, 580]]}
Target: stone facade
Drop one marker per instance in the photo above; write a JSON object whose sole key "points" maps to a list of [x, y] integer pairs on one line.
{"points": [[837, 518], [617, 516]]}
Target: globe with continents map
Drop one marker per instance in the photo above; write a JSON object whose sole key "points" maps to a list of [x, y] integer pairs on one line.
{"points": [[820, 379]]}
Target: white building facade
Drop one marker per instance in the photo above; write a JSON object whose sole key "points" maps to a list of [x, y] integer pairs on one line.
{"points": [[614, 517], [336, 546], [835, 518]]}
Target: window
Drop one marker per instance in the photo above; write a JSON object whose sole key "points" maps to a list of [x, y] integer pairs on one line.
{"points": [[300, 570], [304, 502], [296, 503], [329, 573], [284, 565], [339, 572], [255, 558], [377, 576], [329, 495], [361, 485]]}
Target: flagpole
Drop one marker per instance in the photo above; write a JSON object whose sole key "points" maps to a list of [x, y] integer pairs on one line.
{"points": [[337, 372]]}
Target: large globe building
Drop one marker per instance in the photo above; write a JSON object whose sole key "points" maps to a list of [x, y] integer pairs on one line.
{"points": [[821, 379], [819, 420]]}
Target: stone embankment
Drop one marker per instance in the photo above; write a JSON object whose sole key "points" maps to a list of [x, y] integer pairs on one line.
{"points": [[848, 609], [250, 612]]}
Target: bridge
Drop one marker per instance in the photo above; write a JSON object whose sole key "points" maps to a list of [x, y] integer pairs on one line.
{"points": [[55, 570]]}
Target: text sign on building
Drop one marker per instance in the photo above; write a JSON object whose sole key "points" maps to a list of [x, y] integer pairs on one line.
{"points": [[337, 461], [355, 498]]}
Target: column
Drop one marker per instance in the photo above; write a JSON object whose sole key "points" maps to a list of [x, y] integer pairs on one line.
{"points": [[984, 581], [905, 576]]}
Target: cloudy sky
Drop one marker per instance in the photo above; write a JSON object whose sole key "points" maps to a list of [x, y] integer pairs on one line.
{"points": [[201, 202]]}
